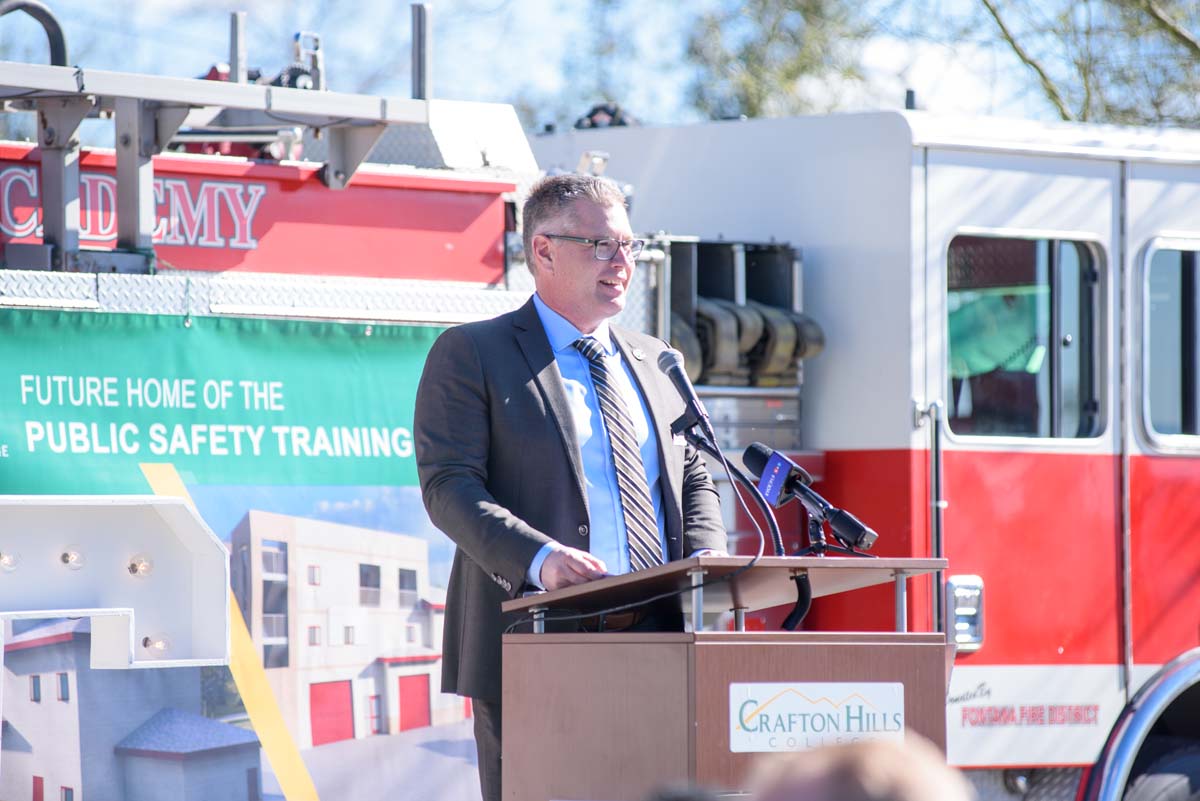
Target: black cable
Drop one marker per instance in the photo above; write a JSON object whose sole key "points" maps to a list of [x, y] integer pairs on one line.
{"points": [[803, 603]]}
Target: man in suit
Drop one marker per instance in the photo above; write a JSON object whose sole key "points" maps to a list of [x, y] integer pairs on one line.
{"points": [[544, 448]]}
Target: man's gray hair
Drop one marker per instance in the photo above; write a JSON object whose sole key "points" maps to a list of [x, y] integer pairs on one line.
{"points": [[554, 195]]}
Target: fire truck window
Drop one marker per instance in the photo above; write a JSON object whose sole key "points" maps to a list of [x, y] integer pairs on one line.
{"points": [[1173, 342], [1021, 325]]}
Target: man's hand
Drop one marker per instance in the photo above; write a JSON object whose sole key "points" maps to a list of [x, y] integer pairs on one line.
{"points": [[566, 566]]}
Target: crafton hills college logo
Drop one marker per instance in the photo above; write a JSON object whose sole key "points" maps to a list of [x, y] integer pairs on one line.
{"points": [[793, 717]]}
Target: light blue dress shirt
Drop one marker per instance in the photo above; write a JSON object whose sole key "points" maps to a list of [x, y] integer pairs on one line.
{"points": [[606, 537]]}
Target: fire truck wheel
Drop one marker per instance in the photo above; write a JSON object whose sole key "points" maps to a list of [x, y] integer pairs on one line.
{"points": [[1172, 777]]}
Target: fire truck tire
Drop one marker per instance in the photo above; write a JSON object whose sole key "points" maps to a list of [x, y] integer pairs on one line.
{"points": [[1172, 777]]}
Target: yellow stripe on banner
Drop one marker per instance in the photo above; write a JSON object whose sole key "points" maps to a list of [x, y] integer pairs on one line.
{"points": [[248, 674]]}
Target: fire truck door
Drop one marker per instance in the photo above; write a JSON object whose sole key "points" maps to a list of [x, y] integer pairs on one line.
{"points": [[1020, 348], [1163, 434]]}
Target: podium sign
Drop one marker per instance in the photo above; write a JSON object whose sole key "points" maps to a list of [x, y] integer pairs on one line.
{"points": [[796, 716]]}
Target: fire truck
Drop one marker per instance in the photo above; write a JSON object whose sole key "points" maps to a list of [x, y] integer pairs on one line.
{"points": [[1008, 379]]}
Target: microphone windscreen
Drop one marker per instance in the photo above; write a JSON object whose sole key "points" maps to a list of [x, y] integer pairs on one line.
{"points": [[669, 358], [756, 457]]}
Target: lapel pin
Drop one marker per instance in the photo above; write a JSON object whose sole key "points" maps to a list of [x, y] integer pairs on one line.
{"points": [[639, 354]]}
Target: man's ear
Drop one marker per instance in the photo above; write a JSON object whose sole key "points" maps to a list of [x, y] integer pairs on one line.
{"points": [[543, 253]]}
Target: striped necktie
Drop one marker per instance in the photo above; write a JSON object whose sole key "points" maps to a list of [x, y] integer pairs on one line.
{"points": [[641, 528]]}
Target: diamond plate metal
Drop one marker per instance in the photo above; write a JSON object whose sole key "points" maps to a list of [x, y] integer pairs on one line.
{"points": [[414, 146], [411, 143], [51, 290], [144, 294], [182, 292], [346, 298], [1054, 784], [1045, 784]]}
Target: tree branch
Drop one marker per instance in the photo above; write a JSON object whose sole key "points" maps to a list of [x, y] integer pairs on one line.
{"points": [[1047, 85], [1171, 27]]}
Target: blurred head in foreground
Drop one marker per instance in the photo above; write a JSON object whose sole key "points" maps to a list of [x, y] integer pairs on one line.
{"points": [[868, 770]]}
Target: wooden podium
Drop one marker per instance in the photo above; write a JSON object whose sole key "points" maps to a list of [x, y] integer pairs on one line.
{"points": [[612, 716]]}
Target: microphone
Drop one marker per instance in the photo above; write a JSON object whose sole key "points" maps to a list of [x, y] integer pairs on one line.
{"points": [[849, 529], [670, 361], [777, 474], [781, 480]]}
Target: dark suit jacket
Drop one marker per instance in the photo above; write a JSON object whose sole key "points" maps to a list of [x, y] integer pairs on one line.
{"points": [[501, 474]]}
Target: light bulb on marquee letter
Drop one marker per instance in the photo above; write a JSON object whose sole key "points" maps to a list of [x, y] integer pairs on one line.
{"points": [[140, 565], [157, 644], [72, 557]]}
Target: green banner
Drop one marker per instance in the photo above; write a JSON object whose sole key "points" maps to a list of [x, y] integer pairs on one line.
{"points": [[87, 397]]}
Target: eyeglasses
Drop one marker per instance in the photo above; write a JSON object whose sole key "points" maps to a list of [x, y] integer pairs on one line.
{"points": [[606, 249]]}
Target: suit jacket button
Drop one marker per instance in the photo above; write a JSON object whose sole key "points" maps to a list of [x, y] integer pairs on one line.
{"points": [[583, 531]]}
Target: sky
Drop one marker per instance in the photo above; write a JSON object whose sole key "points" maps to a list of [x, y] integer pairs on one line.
{"points": [[491, 50], [397, 509]]}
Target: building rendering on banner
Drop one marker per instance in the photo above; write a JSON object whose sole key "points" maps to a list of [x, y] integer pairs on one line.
{"points": [[347, 624], [70, 732]]}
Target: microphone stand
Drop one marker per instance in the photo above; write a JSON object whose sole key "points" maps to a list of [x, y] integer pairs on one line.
{"points": [[818, 545], [820, 512], [686, 426]]}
